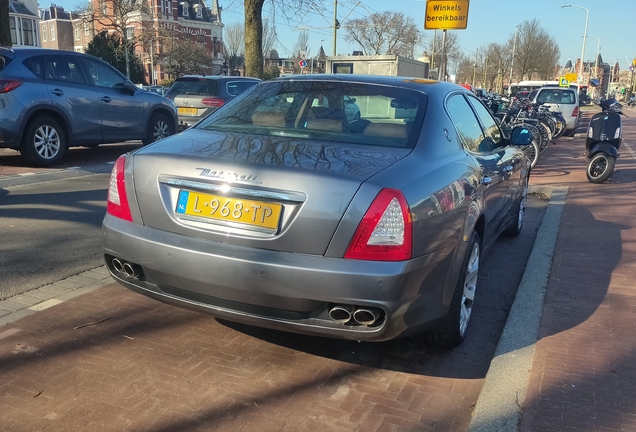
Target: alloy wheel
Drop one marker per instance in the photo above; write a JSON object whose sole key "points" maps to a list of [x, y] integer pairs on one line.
{"points": [[470, 285], [47, 142]]}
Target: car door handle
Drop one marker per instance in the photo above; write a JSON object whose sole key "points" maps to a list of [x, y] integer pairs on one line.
{"points": [[106, 99], [486, 181], [57, 92]]}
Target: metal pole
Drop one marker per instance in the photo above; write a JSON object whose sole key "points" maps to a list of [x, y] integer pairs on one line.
{"points": [[335, 25], [442, 66], [475, 67], [433, 53], [512, 62], [587, 17]]}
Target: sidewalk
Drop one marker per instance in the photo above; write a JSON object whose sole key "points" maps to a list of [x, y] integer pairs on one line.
{"points": [[584, 370], [100, 361]]}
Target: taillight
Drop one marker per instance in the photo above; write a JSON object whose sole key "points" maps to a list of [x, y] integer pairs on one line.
{"points": [[7, 86], [575, 113], [117, 204], [212, 102], [386, 230]]}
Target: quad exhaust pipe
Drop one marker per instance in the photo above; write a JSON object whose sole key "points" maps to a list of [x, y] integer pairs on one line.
{"points": [[362, 315], [129, 269]]}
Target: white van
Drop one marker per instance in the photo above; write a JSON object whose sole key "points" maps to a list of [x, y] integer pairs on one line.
{"points": [[564, 100]]}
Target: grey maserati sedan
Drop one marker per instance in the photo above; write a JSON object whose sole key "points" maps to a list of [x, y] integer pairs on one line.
{"points": [[279, 211]]}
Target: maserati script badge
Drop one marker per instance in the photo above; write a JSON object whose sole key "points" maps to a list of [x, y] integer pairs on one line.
{"points": [[228, 176]]}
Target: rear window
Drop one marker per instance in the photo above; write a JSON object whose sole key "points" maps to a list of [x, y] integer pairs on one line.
{"points": [[556, 96], [365, 114], [194, 87]]}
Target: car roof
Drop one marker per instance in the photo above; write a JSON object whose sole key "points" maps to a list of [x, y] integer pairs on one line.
{"points": [[428, 86], [217, 77]]}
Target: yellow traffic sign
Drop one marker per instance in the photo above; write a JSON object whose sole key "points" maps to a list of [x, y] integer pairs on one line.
{"points": [[446, 15], [564, 82], [571, 77]]}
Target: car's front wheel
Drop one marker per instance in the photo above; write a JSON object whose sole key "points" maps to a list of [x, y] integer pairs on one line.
{"points": [[159, 127], [452, 330], [44, 142]]}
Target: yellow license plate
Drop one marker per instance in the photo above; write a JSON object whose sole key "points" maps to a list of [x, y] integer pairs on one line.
{"points": [[188, 111], [227, 209]]}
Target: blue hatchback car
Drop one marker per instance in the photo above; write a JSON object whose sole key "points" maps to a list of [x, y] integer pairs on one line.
{"points": [[51, 100]]}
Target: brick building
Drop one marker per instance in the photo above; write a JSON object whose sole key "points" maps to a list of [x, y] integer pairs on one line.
{"points": [[150, 26]]}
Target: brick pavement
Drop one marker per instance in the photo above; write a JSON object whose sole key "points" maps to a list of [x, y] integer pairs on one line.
{"points": [[112, 360], [584, 370]]}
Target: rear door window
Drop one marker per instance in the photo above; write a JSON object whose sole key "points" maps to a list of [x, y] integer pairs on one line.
{"points": [[63, 69]]}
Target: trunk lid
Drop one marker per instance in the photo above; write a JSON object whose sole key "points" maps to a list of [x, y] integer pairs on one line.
{"points": [[219, 186]]}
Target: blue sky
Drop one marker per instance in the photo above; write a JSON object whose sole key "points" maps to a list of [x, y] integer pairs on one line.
{"points": [[489, 21]]}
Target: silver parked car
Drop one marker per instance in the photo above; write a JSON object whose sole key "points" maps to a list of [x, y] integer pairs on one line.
{"points": [[279, 212]]}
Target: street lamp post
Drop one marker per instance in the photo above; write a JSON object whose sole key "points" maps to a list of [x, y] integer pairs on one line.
{"points": [[587, 17], [311, 51], [598, 48], [512, 62]]}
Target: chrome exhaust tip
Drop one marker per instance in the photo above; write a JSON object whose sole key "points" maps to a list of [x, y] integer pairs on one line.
{"points": [[133, 270], [366, 316], [118, 265], [340, 313]]}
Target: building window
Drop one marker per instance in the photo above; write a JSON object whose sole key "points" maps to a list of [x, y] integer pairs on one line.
{"points": [[43, 32], [76, 31], [28, 32], [52, 33], [199, 10], [103, 7], [87, 29], [12, 30], [185, 12], [130, 33]]}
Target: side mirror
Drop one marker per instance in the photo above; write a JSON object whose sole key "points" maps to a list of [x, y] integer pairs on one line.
{"points": [[520, 136], [130, 87]]}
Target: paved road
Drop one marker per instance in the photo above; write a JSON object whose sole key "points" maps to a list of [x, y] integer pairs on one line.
{"points": [[50, 230]]}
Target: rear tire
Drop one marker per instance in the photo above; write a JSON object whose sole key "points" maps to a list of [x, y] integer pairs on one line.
{"points": [[514, 229], [44, 142], [453, 328], [570, 133], [159, 127], [600, 168]]}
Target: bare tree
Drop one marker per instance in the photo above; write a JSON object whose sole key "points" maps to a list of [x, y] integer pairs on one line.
{"points": [[300, 50], [256, 45], [115, 16], [186, 57], [269, 38], [385, 33], [234, 44], [5, 30], [536, 52], [452, 51]]}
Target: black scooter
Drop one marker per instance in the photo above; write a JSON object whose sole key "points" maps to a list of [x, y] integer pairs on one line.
{"points": [[604, 137]]}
